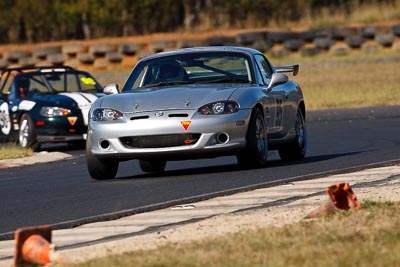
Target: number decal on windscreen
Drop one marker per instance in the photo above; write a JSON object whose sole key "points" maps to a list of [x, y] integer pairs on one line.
{"points": [[88, 81]]}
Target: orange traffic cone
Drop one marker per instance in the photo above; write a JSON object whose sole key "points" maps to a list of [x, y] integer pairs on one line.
{"points": [[37, 250], [33, 246], [343, 197]]}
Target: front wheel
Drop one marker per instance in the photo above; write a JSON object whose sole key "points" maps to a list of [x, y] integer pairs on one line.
{"points": [[296, 150], [99, 168], [27, 133], [256, 152], [156, 166]]}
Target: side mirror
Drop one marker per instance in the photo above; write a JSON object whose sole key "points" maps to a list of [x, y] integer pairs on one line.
{"points": [[111, 89], [277, 79]]}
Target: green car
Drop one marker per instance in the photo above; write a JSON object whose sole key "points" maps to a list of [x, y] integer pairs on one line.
{"points": [[45, 104]]}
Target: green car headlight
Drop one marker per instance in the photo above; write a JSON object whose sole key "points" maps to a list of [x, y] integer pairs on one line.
{"points": [[106, 114], [54, 111]]}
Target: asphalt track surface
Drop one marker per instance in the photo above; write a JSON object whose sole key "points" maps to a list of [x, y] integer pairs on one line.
{"points": [[62, 193]]}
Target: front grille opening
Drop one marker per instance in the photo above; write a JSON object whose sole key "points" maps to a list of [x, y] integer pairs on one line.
{"points": [[159, 141], [182, 115], [140, 117]]}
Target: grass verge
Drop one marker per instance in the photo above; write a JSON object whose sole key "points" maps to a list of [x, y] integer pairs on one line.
{"points": [[11, 151], [367, 237]]}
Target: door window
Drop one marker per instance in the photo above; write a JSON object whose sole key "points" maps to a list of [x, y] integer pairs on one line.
{"points": [[265, 69]]}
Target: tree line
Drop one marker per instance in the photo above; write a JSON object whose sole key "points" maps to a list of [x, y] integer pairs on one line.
{"points": [[32, 21]]}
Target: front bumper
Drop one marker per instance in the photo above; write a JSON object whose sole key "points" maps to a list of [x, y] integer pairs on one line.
{"points": [[217, 135], [60, 138], [59, 129]]}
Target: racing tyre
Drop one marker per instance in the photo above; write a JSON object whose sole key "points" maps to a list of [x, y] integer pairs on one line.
{"points": [[296, 150], [156, 166], [100, 169], [256, 152], [27, 133]]}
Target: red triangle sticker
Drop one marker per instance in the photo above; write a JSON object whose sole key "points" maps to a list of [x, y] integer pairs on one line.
{"points": [[186, 124], [72, 120]]}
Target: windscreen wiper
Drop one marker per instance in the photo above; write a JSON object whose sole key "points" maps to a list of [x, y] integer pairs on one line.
{"points": [[229, 80], [165, 84]]}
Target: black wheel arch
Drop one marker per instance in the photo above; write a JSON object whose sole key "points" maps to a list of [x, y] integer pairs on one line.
{"points": [[260, 107], [302, 108]]}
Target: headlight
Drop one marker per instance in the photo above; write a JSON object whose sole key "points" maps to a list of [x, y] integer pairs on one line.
{"points": [[220, 107], [106, 114], [54, 111]]}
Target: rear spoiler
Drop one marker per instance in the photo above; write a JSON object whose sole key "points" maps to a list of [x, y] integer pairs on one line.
{"points": [[290, 68]]}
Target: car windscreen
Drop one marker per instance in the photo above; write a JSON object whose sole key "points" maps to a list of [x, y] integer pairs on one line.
{"points": [[58, 82], [190, 68]]}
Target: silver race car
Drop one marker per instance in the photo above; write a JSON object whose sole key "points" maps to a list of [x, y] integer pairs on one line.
{"points": [[197, 103]]}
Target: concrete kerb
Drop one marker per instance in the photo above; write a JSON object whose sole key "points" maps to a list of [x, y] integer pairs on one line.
{"points": [[40, 157]]}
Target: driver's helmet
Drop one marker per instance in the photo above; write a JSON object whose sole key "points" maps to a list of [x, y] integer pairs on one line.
{"points": [[22, 83], [171, 72]]}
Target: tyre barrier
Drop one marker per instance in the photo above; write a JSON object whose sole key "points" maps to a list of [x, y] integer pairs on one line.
{"points": [[307, 36], [280, 37], [396, 30], [293, 45], [100, 50], [3, 63], [369, 32], [72, 62], [337, 41], [130, 49], [323, 43], [85, 58], [56, 59], [15, 56], [72, 50], [43, 52], [323, 33], [278, 51], [114, 57], [354, 41], [385, 39], [190, 43], [220, 40], [162, 45], [249, 38], [27, 61], [340, 34], [262, 45]]}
